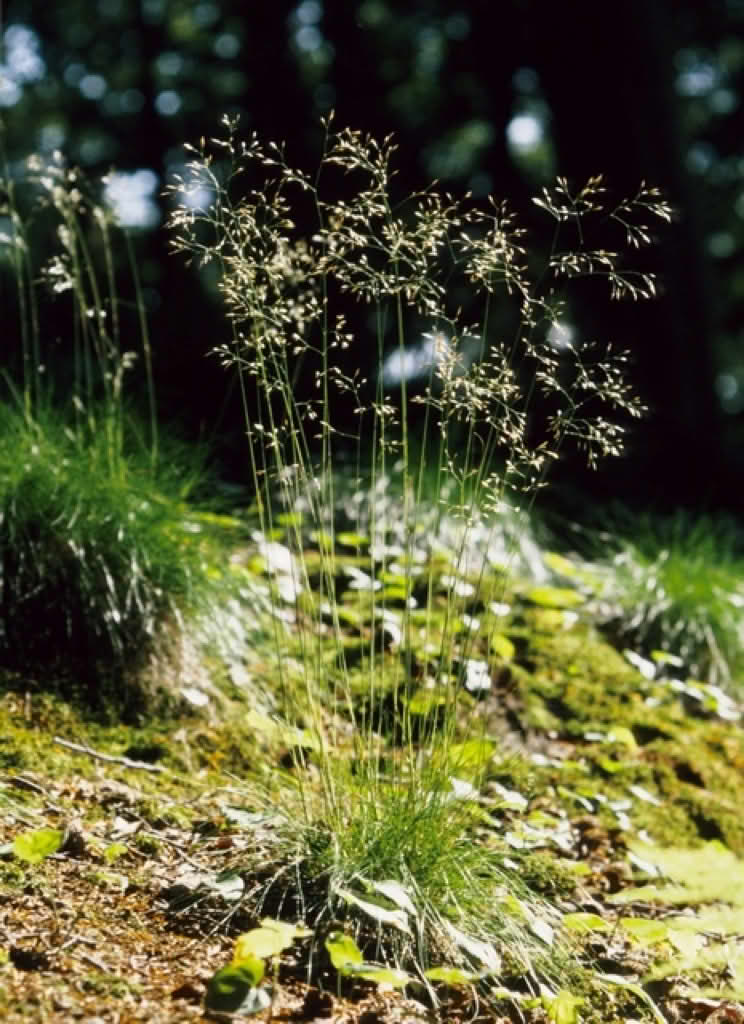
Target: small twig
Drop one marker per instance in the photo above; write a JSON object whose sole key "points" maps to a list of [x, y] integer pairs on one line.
{"points": [[94, 961], [111, 758]]}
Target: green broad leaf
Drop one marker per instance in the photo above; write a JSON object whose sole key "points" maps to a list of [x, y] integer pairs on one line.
{"points": [[254, 566], [233, 989], [560, 564], [322, 539], [563, 566], [216, 519], [260, 943], [351, 616], [707, 874], [550, 620], [397, 918], [393, 579], [343, 951], [541, 819], [715, 959], [33, 847], [252, 968], [471, 757], [584, 922], [511, 905], [687, 943], [563, 1008], [645, 932], [272, 938], [113, 851], [293, 519], [555, 597], [389, 977], [452, 976], [583, 794], [424, 702], [352, 540], [502, 647], [290, 931]]}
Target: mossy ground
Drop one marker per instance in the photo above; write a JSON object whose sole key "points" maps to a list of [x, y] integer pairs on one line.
{"points": [[587, 754]]}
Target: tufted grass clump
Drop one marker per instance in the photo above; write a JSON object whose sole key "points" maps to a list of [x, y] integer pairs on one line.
{"points": [[387, 605], [674, 584], [95, 566], [102, 556]]}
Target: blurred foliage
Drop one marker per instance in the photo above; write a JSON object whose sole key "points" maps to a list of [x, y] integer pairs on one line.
{"points": [[653, 93]]}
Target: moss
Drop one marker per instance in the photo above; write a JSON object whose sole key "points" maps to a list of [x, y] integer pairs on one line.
{"points": [[12, 874], [691, 775], [147, 844], [548, 875], [583, 681], [575, 685], [605, 1004], [27, 746]]}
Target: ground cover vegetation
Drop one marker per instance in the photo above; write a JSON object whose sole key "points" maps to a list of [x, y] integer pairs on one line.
{"points": [[677, 578], [101, 543], [405, 775]]}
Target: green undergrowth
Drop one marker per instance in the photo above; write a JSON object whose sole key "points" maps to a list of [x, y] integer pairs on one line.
{"points": [[109, 538], [657, 734], [548, 671], [97, 556], [670, 582]]}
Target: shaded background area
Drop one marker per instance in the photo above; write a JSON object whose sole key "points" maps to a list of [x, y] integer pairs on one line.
{"points": [[489, 98]]}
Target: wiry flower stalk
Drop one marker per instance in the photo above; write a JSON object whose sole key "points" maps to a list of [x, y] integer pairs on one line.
{"points": [[291, 250]]}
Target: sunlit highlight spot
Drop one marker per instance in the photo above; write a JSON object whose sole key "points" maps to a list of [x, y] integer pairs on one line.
{"points": [[130, 195], [524, 132]]}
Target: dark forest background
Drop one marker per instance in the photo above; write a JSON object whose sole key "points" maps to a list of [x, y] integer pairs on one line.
{"points": [[490, 97]]}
